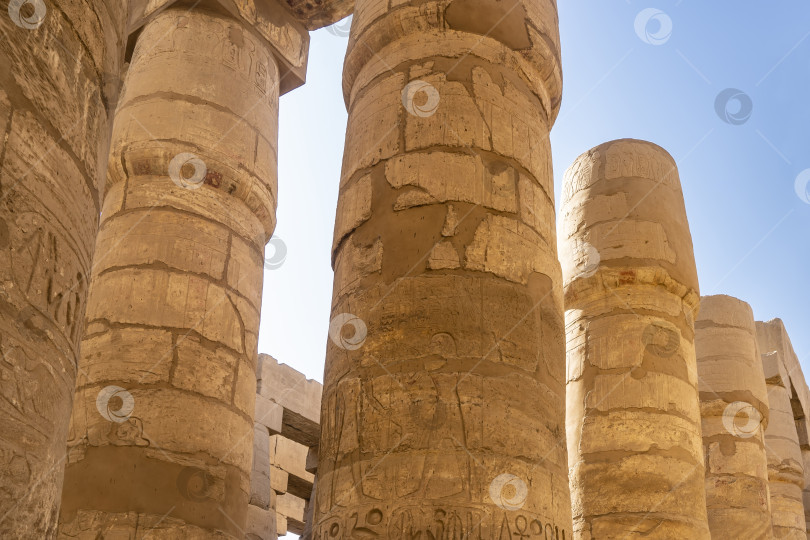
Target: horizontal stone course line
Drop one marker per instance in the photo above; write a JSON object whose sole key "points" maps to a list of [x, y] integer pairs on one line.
{"points": [[130, 386], [163, 267], [463, 150], [241, 168], [251, 242], [404, 66], [168, 96], [361, 51], [686, 332], [605, 457], [597, 413], [704, 324], [177, 330]]}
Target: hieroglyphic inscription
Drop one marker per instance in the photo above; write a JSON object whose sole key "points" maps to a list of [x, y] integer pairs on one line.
{"points": [[579, 175], [453, 523], [48, 273], [628, 159]]}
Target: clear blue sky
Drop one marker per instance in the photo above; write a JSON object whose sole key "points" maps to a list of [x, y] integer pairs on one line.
{"points": [[750, 227]]}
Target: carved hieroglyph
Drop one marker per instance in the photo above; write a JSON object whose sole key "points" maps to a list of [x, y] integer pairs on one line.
{"points": [[443, 399], [162, 429], [786, 472], [734, 409], [631, 289], [55, 58]]}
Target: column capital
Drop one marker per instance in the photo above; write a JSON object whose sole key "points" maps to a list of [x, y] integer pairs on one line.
{"points": [[268, 20]]}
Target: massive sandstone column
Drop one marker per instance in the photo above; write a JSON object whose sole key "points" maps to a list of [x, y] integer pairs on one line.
{"points": [[162, 430], [734, 407], [804, 442], [631, 289], [785, 460], [443, 398], [56, 59]]}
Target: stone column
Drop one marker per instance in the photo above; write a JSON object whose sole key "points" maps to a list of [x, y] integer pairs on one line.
{"points": [[56, 60], [631, 289], [443, 399], [785, 465], [734, 408], [804, 441], [785, 459], [162, 431]]}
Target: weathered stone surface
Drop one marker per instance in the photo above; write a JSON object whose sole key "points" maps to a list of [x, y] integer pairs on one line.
{"points": [[633, 417], [261, 524], [309, 513], [178, 276], [291, 509], [734, 407], [260, 475], [286, 392], [287, 416], [55, 109], [282, 32], [443, 394], [291, 457], [788, 400], [258, 13]]}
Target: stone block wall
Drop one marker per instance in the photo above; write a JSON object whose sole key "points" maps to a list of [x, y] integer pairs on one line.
{"points": [[286, 431]]}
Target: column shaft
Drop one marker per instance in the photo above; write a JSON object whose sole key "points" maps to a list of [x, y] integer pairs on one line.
{"points": [[782, 445], [806, 491], [56, 57], [162, 432], [734, 409], [633, 418], [785, 467], [443, 408]]}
